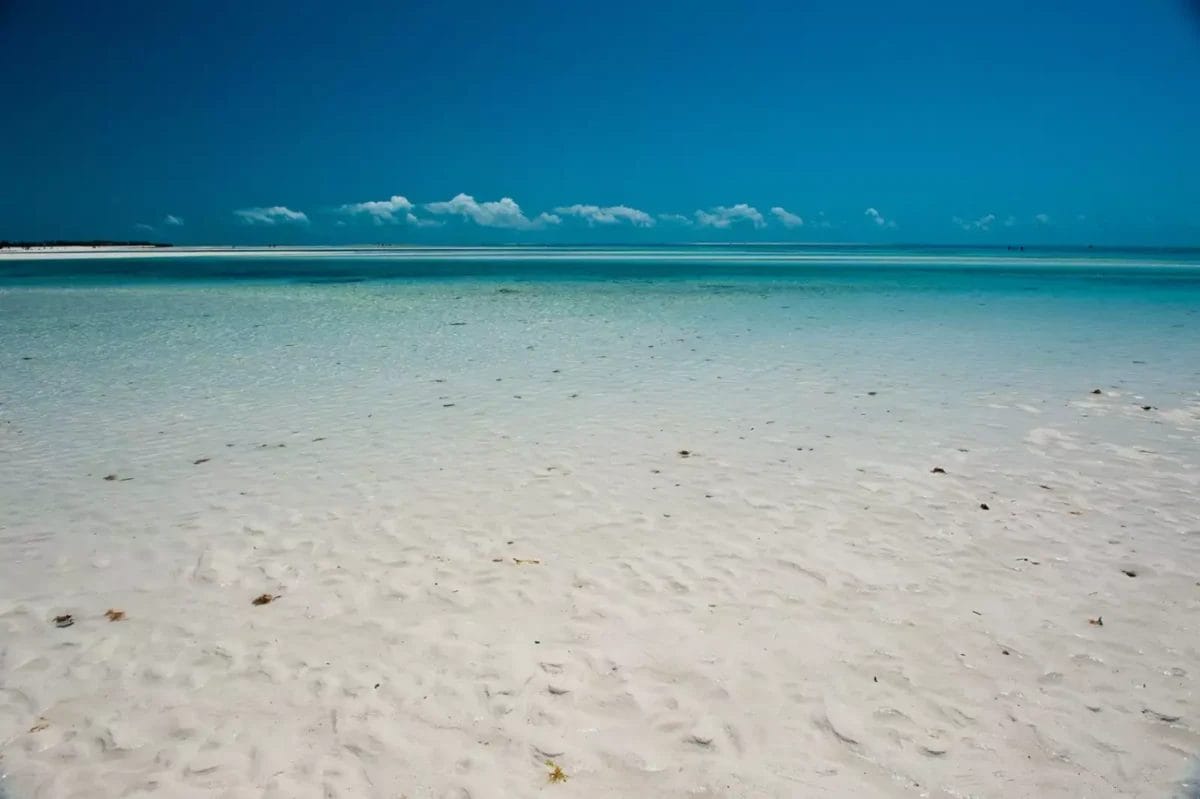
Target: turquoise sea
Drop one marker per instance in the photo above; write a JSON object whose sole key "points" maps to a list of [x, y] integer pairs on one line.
{"points": [[848, 264], [1086, 309]]}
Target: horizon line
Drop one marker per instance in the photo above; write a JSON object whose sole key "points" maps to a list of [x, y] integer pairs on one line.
{"points": [[51, 244]]}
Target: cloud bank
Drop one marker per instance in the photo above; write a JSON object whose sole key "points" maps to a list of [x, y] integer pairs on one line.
{"points": [[878, 219], [502, 213], [787, 218], [276, 214], [984, 222], [722, 217], [172, 220], [381, 211], [678, 219], [610, 215]]}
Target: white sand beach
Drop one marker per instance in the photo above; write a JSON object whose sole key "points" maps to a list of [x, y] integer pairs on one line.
{"points": [[732, 542]]}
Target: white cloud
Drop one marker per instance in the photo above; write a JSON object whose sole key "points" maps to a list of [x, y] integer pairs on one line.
{"points": [[143, 226], [878, 219], [722, 217], [381, 211], [984, 222], [503, 213], [1041, 219], [609, 215], [1010, 220], [786, 217], [822, 222], [676, 218], [171, 219], [270, 216]]}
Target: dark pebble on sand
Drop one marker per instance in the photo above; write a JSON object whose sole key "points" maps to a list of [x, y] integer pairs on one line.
{"points": [[937, 470], [199, 461], [66, 620], [1129, 572], [1097, 391], [1147, 407], [110, 477], [984, 506], [684, 453]]}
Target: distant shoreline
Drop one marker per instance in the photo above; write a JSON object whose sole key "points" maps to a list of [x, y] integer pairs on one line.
{"points": [[84, 244], [831, 254]]}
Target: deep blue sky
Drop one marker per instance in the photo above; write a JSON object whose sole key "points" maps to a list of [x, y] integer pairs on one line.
{"points": [[117, 114]]}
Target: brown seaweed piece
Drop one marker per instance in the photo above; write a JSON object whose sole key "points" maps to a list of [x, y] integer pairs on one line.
{"points": [[556, 773]]}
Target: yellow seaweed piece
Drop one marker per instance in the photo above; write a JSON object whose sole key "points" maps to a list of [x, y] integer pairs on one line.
{"points": [[556, 773]]}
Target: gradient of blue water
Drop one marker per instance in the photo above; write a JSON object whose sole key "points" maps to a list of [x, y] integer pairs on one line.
{"points": [[1056, 309], [915, 268]]}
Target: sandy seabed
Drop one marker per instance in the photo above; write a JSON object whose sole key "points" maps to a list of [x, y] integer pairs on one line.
{"points": [[716, 543]]}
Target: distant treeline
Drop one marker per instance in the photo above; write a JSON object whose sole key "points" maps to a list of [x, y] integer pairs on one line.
{"points": [[26, 245]]}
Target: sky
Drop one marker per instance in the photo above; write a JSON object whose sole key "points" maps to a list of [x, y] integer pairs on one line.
{"points": [[223, 122]]}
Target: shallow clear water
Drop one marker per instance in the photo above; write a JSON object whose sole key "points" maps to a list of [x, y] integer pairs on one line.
{"points": [[1084, 314], [855, 265]]}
